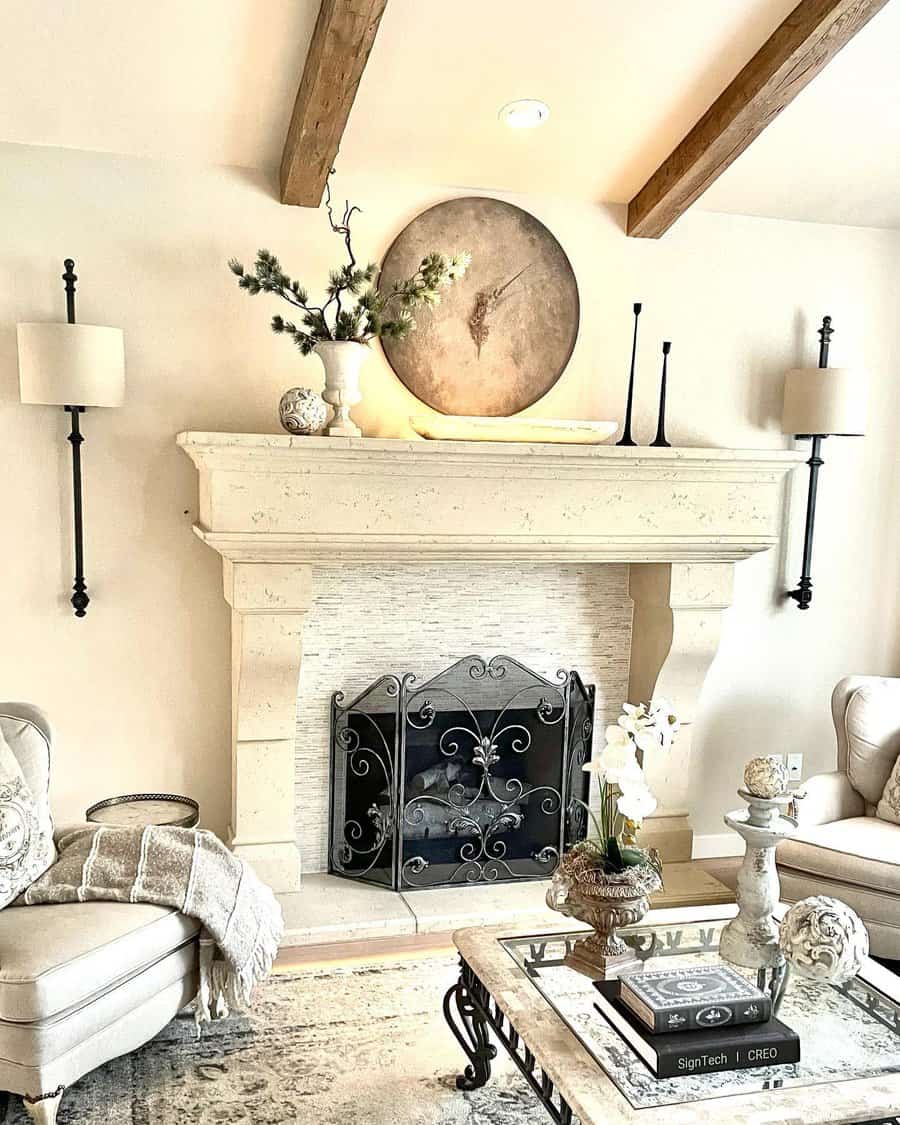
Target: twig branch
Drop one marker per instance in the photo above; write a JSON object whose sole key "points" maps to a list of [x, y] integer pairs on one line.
{"points": [[343, 227]]}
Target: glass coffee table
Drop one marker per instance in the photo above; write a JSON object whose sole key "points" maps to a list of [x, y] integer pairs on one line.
{"points": [[515, 989]]}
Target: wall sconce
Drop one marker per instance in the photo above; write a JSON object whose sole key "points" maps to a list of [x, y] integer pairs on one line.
{"points": [[818, 402], [73, 366]]}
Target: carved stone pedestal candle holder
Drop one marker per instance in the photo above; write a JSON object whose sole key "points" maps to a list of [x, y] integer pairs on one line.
{"points": [[751, 939]]}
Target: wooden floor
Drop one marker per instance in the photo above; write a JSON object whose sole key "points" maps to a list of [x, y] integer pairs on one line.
{"points": [[308, 957], [683, 887]]}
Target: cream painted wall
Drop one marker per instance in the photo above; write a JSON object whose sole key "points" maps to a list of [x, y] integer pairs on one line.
{"points": [[139, 689]]}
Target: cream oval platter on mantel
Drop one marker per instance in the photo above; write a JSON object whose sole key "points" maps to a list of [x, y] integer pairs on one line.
{"points": [[448, 427]]}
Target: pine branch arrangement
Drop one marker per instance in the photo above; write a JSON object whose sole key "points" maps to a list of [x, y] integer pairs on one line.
{"points": [[355, 308]]}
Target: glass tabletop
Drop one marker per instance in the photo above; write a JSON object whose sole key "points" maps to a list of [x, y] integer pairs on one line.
{"points": [[847, 1032]]}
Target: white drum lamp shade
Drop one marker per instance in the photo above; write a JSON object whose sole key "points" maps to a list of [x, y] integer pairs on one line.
{"points": [[71, 364], [824, 400]]}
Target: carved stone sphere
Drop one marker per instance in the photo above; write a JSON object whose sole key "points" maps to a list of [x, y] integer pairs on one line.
{"points": [[766, 777], [823, 938], [302, 411]]}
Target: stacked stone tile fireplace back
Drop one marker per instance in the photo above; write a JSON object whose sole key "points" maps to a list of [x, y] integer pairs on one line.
{"points": [[367, 620]]}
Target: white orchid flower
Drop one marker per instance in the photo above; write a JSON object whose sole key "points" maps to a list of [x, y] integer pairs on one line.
{"points": [[647, 740], [612, 760], [667, 735], [666, 721], [617, 758], [631, 777], [616, 736], [635, 804]]}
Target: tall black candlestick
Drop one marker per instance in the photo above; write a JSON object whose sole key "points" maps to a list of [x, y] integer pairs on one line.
{"points": [[626, 438], [660, 438]]}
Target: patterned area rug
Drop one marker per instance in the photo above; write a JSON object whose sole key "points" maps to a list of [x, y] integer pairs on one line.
{"points": [[350, 1046]]}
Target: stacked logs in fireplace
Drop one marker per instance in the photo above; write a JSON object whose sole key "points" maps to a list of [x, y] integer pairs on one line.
{"points": [[473, 776]]}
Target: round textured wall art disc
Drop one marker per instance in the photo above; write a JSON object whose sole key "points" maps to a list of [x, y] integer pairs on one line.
{"points": [[503, 334]]}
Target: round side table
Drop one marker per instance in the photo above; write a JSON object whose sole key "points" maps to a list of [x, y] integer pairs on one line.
{"points": [[137, 810]]}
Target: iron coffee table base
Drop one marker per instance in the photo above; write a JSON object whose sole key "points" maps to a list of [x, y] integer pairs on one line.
{"points": [[470, 1011]]}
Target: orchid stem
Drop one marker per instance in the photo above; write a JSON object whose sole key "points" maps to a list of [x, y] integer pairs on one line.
{"points": [[590, 813]]}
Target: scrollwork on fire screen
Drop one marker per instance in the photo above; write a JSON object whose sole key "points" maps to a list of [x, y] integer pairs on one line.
{"points": [[581, 728], [361, 843], [483, 854]]}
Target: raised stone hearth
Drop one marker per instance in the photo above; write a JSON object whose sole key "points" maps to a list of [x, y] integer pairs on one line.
{"points": [[273, 506], [330, 909]]}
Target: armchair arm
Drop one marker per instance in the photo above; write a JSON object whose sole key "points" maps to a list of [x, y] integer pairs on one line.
{"points": [[61, 830], [827, 797]]}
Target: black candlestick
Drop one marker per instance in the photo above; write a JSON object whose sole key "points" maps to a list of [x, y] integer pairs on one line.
{"points": [[660, 438], [79, 599], [626, 438]]}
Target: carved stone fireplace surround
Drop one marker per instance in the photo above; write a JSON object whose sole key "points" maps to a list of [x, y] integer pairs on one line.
{"points": [[273, 505]]}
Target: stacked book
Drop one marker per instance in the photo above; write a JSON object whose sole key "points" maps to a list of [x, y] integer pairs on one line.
{"points": [[696, 1021]]}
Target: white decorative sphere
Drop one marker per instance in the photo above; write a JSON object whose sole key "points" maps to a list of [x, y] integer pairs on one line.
{"points": [[302, 411], [766, 777], [823, 938]]}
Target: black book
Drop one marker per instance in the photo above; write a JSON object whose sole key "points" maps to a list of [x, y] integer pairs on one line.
{"points": [[680, 1053], [704, 996]]}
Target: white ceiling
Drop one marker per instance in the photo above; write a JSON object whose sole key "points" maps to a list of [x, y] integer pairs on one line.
{"points": [[833, 156], [213, 81]]}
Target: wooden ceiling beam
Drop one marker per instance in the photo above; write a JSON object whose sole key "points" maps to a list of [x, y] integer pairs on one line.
{"points": [[793, 55], [342, 39]]}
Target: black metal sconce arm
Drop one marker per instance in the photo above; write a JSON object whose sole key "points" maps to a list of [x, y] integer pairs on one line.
{"points": [[802, 595], [79, 599]]}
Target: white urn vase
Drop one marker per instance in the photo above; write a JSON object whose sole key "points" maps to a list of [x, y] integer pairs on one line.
{"points": [[342, 360]]}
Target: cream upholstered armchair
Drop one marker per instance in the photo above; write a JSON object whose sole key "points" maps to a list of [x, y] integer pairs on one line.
{"points": [[843, 849], [82, 982]]}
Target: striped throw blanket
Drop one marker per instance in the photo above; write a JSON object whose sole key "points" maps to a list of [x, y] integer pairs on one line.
{"points": [[191, 870]]}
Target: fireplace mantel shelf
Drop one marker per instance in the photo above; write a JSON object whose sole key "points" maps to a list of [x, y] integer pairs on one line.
{"points": [[273, 506], [275, 498]]}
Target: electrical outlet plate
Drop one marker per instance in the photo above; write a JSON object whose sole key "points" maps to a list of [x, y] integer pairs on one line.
{"points": [[795, 766]]}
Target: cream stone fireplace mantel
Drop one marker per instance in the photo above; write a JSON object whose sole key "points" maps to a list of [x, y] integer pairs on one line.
{"points": [[273, 506]]}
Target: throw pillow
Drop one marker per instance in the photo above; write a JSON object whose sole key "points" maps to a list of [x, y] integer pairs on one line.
{"points": [[889, 805], [26, 843]]}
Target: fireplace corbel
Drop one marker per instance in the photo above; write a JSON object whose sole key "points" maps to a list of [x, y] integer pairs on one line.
{"points": [[674, 638], [268, 606]]}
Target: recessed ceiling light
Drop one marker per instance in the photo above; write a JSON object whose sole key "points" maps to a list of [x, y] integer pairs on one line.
{"points": [[526, 113]]}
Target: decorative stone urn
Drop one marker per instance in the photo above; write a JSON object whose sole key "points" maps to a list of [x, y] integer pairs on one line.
{"points": [[342, 360], [579, 889]]}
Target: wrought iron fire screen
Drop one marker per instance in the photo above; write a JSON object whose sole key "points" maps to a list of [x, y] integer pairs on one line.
{"points": [[474, 776]]}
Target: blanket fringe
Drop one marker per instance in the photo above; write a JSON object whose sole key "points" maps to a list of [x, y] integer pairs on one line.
{"points": [[224, 988]]}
